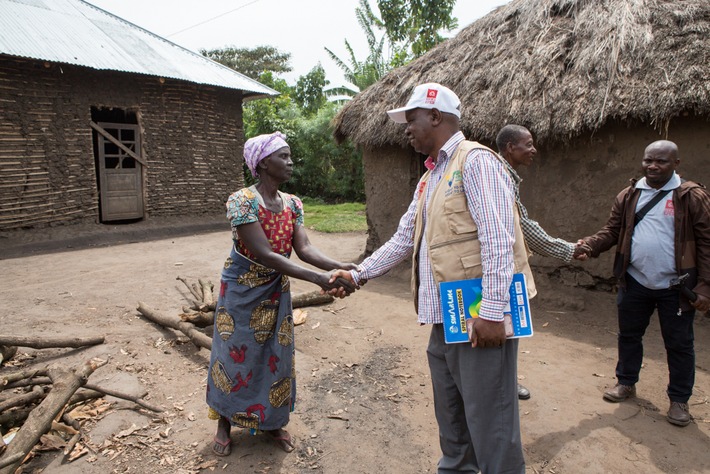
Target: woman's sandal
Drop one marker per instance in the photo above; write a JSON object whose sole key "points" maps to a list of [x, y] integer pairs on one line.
{"points": [[222, 449], [282, 439]]}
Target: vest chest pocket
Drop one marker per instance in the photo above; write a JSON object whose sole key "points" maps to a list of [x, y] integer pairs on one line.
{"points": [[457, 215], [472, 265]]}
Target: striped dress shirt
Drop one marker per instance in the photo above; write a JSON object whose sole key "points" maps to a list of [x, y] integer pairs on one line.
{"points": [[490, 194]]}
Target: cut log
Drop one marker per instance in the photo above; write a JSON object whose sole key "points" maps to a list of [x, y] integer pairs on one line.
{"points": [[12, 418], [65, 383], [201, 307], [23, 400], [192, 290], [199, 338], [69, 447], [207, 287], [7, 353], [29, 382], [7, 460], [197, 291], [47, 342], [74, 439], [311, 298], [198, 318], [7, 379]]}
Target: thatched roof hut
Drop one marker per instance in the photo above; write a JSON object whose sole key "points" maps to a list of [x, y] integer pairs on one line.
{"points": [[559, 67], [594, 80]]}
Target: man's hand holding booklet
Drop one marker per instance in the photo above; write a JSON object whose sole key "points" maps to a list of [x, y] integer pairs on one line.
{"points": [[461, 302]]}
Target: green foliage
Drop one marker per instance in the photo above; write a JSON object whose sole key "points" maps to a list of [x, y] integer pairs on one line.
{"points": [[251, 62], [308, 93], [416, 24], [322, 168], [362, 74], [272, 113], [331, 218], [411, 28]]}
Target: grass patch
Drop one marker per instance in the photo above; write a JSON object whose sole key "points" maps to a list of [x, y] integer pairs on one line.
{"points": [[334, 218]]}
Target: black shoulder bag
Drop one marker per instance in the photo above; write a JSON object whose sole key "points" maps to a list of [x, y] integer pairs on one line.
{"points": [[649, 205]]}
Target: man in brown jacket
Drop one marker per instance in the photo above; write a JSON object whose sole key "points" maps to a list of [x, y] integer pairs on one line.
{"points": [[661, 227]]}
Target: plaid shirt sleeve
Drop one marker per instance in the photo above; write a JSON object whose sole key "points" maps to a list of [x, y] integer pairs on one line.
{"points": [[540, 241], [490, 194]]}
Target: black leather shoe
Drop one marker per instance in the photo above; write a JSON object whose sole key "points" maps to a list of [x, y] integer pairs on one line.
{"points": [[678, 414], [523, 393], [620, 393]]}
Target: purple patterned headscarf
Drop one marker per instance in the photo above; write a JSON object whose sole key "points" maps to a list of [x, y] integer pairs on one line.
{"points": [[259, 147]]}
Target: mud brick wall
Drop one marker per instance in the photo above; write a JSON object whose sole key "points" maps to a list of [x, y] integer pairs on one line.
{"points": [[192, 140]]}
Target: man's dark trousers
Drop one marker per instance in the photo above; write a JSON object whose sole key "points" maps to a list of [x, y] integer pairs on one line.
{"points": [[636, 304]]}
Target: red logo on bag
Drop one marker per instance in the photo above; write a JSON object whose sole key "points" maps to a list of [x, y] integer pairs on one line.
{"points": [[669, 210], [431, 96]]}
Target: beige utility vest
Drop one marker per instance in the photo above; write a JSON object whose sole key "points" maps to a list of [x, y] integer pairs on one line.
{"points": [[451, 234]]}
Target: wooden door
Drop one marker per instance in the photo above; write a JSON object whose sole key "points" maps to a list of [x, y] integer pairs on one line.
{"points": [[120, 171]]}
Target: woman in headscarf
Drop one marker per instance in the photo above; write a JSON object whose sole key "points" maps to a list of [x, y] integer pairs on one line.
{"points": [[251, 380]]}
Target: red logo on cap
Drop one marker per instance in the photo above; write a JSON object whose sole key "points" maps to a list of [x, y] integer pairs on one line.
{"points": [[431, 96]]}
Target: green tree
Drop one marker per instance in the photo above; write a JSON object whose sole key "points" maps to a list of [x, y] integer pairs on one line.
{"points": [[308, 93], [417, 23], [322, 169], [411, 27], [251, 62], [362, 74]]}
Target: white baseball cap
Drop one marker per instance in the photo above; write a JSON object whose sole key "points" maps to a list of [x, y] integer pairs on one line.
{"points": [[429, 96]]}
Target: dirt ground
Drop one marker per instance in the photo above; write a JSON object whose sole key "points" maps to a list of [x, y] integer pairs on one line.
{"points": [[364, 401]]}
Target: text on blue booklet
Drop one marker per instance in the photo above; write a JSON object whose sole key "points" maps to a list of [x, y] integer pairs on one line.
{"points": [[461, 300]]}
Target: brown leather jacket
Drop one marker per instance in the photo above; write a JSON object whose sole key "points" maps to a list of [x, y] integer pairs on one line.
{"points": [[692, 234]]}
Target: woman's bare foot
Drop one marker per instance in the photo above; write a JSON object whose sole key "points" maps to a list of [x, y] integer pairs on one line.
{"points": [[282, 439], [222, 441]]}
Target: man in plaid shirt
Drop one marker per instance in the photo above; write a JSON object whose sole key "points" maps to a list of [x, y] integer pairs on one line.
{"points": [[515, 144]]}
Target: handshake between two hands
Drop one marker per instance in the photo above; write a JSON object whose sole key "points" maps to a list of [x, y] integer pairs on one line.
{"points": [[582, 251], [340, 282]]}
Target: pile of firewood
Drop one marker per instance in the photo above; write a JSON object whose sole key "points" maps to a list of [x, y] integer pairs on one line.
{"points": [[35, 401]]}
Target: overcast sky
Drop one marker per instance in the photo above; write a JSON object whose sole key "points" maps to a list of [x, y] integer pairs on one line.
{"points": [[300, 27]]}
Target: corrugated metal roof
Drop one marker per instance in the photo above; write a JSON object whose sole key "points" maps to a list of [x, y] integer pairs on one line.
{"points": [[76, 32]]}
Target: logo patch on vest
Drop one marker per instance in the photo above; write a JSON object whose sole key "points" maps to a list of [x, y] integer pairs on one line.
{"points": [[455, 183]]}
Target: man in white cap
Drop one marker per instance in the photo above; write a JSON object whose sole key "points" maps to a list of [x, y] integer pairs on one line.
{"points": [[462, 223]]}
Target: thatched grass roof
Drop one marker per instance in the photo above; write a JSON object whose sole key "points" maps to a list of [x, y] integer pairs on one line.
{"points": [[559, 67]]}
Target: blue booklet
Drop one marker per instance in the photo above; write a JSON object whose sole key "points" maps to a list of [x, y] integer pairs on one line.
{"points": [[461, 300]]}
